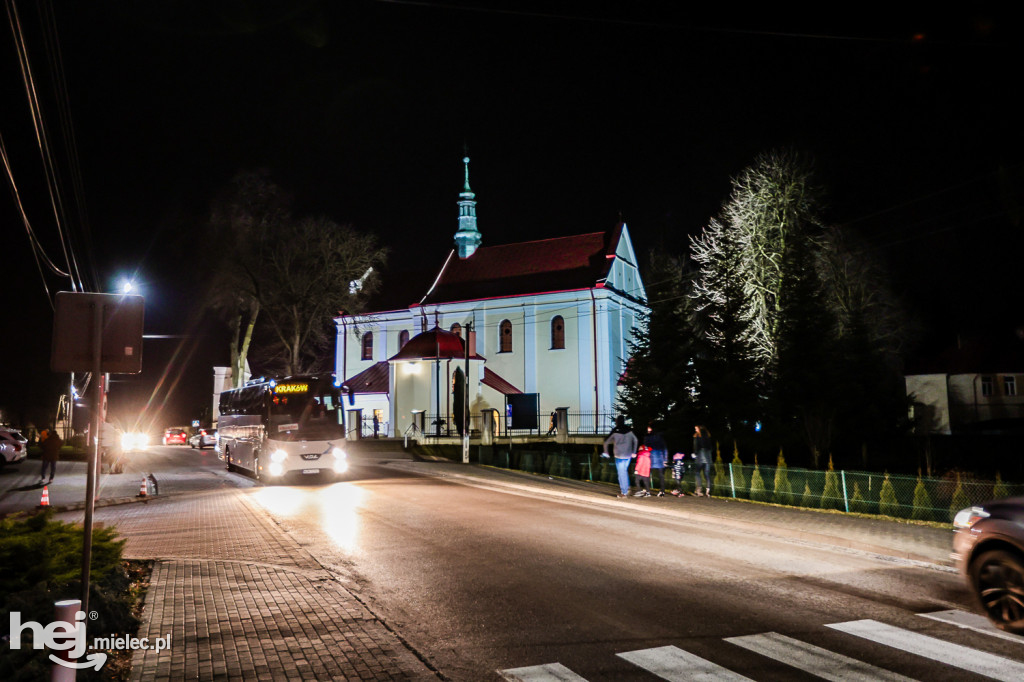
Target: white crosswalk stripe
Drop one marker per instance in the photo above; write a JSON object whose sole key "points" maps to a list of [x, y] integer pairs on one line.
{"points": [[972, 621], [815, 660], [677, 665], [674, 664], [550, 672], [955, 655]]}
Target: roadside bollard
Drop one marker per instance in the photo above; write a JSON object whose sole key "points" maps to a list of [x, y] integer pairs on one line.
{"points": [[152, 481], [143, 492], [64, 612]]}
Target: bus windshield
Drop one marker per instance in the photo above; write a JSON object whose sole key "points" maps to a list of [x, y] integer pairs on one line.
{"points": [[302, 410]]}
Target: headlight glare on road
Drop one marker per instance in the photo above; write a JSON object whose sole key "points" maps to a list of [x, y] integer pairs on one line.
{"points": [[278, 456], [338, 453], [966, 518], [276, 468]]}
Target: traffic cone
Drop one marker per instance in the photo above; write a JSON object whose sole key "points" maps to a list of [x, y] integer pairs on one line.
{"points": [[142, 490], [45, 502]]}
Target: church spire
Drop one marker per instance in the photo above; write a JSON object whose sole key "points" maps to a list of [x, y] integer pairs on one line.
{"points": [[468, 238]]}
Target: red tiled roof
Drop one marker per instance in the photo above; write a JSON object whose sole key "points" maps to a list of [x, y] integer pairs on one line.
{"points": [[433, 344], [498, 384], [373, 379], [558, 264]]}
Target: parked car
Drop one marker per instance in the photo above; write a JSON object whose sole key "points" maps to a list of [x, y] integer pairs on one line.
{"points": [[175, 436], [13, 446], [988, 546], [203, 438]]}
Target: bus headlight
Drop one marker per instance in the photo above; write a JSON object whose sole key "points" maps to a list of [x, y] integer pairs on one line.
{"points": [[340, 466], [276, 468], [338, 453], [278, 456]]}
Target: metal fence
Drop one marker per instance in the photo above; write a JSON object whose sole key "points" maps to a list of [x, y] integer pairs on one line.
{"points": [[579, 424], [906, 497]]}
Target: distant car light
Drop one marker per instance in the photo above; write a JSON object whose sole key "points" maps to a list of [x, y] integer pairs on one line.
{"points": [[132, 440]]}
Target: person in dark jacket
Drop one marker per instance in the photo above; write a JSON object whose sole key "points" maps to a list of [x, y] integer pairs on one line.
{"points": [[623, 444], [659, 456], [702, 453], [51, 453]]}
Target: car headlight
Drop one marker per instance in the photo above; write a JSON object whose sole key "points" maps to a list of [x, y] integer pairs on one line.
{"points": [[338, 453], [278, 456], [966, 518]]}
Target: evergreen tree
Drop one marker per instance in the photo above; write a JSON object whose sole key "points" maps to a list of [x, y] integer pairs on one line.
{"points": [[720, 483], [922, 502], [757, 491], [857, 503], [810, 499], [888, 505], [831, 496], [739, 478], [1000, 489], [960, 499], [783, 488]]}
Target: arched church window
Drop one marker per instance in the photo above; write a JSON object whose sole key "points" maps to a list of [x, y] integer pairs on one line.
{"points": [[557, 332], [505, 336], [403, 338], [456, 329], [368, 346]]}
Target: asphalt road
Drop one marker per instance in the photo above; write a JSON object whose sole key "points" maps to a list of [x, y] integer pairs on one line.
{"points": [[487, 584], [480, 581]]}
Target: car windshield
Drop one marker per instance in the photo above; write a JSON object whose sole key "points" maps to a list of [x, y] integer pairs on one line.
{"points": [[301, 411]]}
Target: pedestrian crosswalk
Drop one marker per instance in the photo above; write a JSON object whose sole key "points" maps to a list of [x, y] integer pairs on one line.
{"points": [[677, 665]]}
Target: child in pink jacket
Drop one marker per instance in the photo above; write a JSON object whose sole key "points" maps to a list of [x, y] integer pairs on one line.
{"points": [[642, 471]]}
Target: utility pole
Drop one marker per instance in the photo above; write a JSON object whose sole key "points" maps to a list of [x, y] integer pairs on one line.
{"points": [[465, 401]]}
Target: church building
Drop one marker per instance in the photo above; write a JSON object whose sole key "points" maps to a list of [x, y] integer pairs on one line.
{"points": [[552, 317]]}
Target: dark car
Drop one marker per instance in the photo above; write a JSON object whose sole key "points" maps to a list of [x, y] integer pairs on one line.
{"points": [[175, 436], [203, 438], [988, 546]]}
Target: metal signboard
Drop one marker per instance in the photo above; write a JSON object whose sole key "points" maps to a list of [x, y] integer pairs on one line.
{"points": [[75, 318]]}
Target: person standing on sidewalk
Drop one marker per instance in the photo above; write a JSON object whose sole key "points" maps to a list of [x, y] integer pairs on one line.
{"points": [[702, 451], [51, 453], [623, 444], [659, 456]]}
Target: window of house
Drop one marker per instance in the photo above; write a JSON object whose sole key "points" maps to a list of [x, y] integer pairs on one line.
{"points": [[557, 332], [368, 346], [505, 336], [1009, 385], [403, 338], [986, 386], [456, 329]]}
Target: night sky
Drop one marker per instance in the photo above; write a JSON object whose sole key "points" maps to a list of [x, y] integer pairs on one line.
{"points": [[572, 116]]}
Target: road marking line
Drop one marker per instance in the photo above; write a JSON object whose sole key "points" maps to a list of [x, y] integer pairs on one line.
{"points": [[550, 672], [955, 655], [972, 621], [815, 660], [675, 665]]}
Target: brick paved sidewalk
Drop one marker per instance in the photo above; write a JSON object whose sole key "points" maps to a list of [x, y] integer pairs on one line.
{"points": [[242, 601]]}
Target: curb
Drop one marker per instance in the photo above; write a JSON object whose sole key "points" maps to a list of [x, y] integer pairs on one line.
{"points": [[594, 497]]}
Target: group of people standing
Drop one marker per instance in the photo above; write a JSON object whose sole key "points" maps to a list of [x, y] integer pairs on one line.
{"points": [[652, 457]]}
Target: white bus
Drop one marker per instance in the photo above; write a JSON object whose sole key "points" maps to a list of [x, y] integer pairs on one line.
{"points": [[283, 428]]}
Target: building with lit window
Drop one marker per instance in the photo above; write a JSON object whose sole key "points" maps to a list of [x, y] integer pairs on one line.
{"points": [[552, 317]]}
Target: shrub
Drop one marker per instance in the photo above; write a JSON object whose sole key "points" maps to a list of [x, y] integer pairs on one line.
{"points": [[960, 499], [783, 488], [757, 491], [922, 502], [739, 478], [810, 499], [720, 483], [831, 496], [887, 502], [857, 503], [40, 563], [1000, 489]]}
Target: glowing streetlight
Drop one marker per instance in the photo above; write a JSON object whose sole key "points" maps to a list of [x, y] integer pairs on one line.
{"points": [[127, 286]]}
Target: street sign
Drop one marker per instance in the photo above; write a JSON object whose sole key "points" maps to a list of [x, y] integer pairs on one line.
{"points": [[73, 333]]}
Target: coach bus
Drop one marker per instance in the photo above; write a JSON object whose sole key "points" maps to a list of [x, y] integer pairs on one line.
{"points": [[283, 428]]}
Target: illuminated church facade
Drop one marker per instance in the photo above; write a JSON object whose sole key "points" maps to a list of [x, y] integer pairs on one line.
{"points": [[551, 317]]}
